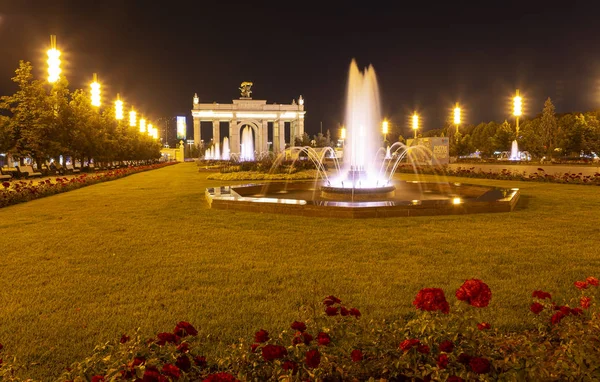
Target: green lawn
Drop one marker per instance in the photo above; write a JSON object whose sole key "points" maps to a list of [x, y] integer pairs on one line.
{"points": [[145, 251]]}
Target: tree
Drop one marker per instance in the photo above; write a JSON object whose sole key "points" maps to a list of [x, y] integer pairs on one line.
{"points": [[548, 127]]}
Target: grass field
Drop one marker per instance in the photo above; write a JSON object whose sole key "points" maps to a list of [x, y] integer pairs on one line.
{"points": [[82, 267]]}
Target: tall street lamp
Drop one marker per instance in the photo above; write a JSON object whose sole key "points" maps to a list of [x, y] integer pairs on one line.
{"points": [[53, 61], [95, 85], [118, 108], [457, 119], [385, 130], [142, 125], [132, 118], [415, 123], [517, 109]]}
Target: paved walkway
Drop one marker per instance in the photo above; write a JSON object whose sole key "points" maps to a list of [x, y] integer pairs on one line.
{"points": [[548, 168]]}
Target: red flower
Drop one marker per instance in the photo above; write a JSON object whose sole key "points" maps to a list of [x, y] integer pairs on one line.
{"points": [[593, 281], [442, 361], [424, 349], [171, 371], [447, 346], [304, 338], [167, 338], [330, 300], [151, 374], [253, 347], [98, 378], [183, 362], [356, 355], [331, 311], [576, 311], [183, 329], [431, 299], [355, 312], [565, 310], [290, 365], [200, 361], [6, 184], [299, 326], [183, 348], [480, 365], [536, 307], [271, 352], [475, 292], [406, 345], [584, 302], [454, 378], [124, 338], [261, 336], [220, 377], [581, 284], [344, 311], [137, 361], [323, 339], [464, 358], [484, 326], [556, 317], [313, 358]]}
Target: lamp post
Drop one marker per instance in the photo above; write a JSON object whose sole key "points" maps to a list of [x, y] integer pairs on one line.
{"points": [[457, 119], [95, 85], [142, 125], [118, 108], [385, 130], [343, 135], [517, 109], [415, 123], [53, 61], [132, 118]]}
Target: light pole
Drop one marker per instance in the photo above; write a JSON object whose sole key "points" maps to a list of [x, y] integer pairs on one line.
{"points": [[415, 123], [343, 136], [118, 108], [517, 109], [457, 119], [95, 85], [132, 118], [385, 130], [53, 61]]}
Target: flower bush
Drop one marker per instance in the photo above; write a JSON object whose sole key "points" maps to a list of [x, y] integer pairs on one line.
{"points": [[20, 191], [335, 343], [539, 176]]}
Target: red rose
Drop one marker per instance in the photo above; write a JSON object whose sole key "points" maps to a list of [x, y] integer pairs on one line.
{"points": [[290, 365], [584, 302], [480, 365], [447, 346], [6, 184], [183, 348], [344, 311], [475, 292], [171, 371], [200, 361], [98, 378], [183, 329], [183, 362], [424, 349], [536, 307], [593, 281], [271, 352], [356, 355], [464, 358], [167, 338], [330, 300], [299, 326], [124, 338], [442, 361], [137, 361], [355, 312], [565, 310], [221, 377], [253, 347], [431, 299], [406, 345], [323, 339], [484, 326], [576, 311], [313, 358], [454, 378], [151, 374], [261, 336], [300, 338], [331, 311], [557, 317], [581, 284]]}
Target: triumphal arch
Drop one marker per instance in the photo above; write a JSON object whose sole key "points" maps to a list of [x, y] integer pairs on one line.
{"points": [[254, 113]]}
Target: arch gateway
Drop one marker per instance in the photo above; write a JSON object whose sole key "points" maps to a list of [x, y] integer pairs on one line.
{"points": [[253, 113]]}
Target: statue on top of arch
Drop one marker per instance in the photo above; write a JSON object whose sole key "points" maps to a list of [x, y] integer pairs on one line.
{"points": [[245, 89]]}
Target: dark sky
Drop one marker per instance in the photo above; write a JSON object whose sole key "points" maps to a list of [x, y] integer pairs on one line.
{"points": [[427, 55]]}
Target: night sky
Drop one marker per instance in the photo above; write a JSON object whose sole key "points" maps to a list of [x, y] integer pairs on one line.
{"points": [[427, 56]]}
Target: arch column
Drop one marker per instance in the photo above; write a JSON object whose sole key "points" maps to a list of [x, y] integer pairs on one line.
{"points": [[264, 136], [234, 137], [278, 136], [197, 132], [216, 132]]}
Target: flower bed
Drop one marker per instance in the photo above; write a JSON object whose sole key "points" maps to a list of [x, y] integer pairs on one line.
{"points": [[539, 176], [442, 342], [19, 191]]}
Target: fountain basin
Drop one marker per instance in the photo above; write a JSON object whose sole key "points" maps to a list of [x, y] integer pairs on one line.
{"points": [[357, 194], [408, 199]]}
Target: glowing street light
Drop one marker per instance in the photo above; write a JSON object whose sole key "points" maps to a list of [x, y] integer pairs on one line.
{"points": [[415, 123], [385, 127], [95, 85], [132, 118], [53, 61], [118, 108], [517, 109], [457, 118], [142, 125], [343, 133]]}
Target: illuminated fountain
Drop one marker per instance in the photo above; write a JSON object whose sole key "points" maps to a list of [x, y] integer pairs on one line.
{"points": [[226, 150], [247, 149]]}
